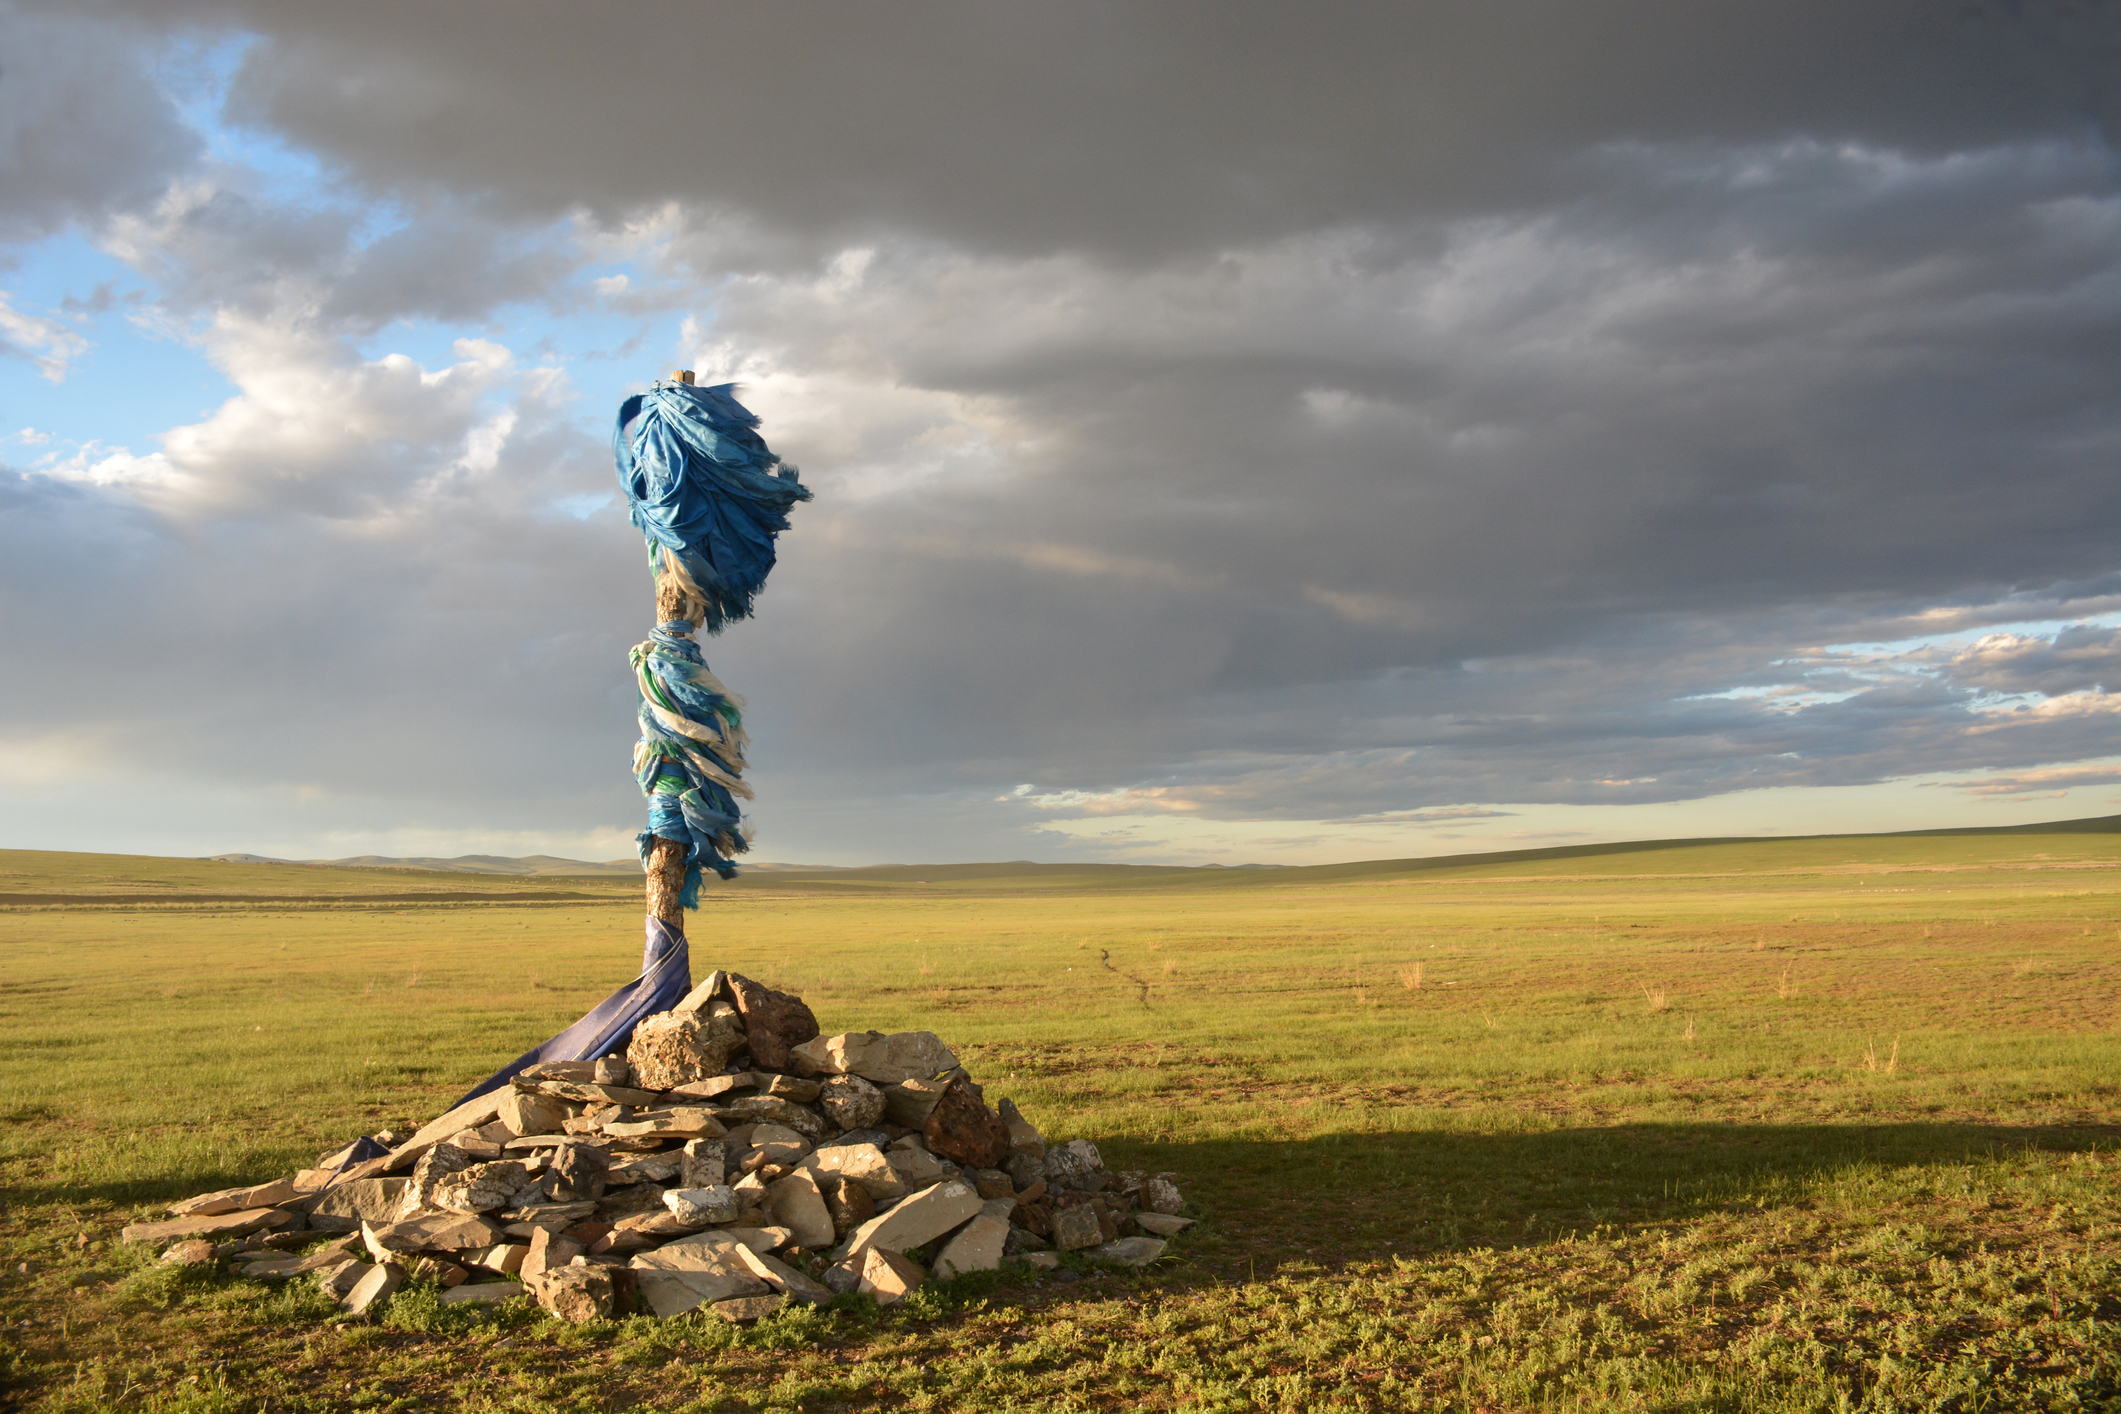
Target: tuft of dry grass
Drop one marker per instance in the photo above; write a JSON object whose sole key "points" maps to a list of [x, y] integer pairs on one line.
{"points": [[1410, 977], [1689, 1033], [1782, 987], [1655, 999], [1892, 1061]]}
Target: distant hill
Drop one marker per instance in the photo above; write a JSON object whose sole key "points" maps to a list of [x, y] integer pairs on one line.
{"points": [[530, 864], [550, 866]]}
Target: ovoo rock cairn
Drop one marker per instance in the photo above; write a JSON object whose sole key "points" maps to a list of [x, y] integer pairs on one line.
{"points": [[731, 1158]]}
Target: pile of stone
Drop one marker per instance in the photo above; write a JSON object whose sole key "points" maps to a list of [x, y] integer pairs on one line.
{"points": [[733, 1158]]}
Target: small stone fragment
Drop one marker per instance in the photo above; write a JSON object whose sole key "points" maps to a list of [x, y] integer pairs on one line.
{"points": [[703, 1164], [1129, 1251], [787, 1087], [1024, 1137], [625, 1202], [1046, 1260], [1071, 1163], [434, 1232], [713, 1087], [651, 1168], [797, 1204], [850, 1102], [849, 1204], [559, 1070], [484, 1293], [1026, 1168], [576, 1294], [739, 1310], [1161, 1195], [193, 1252], [916, 1168], [976, 1248], [889, 1276], [345, 1205], [578, 1173], [671, 1048], [546, 1250], [911, 1102], [374, 1288], [992, 1183], [770, 1109], [480, 1188], [1161, 1224], [505, 1258], [434, 1165], [611, 1070], [234, 1200], [864, 1164], [239, 1224], [337, 1281], [717, 1203], [1075, 1228], [676, 1123], [783, 1278], [701, 997]]}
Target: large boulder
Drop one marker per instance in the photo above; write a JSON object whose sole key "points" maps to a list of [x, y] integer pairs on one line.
{"points": [[962, 1129], [774, 1022], [671, 1048]]}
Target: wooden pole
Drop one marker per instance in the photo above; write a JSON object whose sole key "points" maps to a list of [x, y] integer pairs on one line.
{"points": [[666, 857]]}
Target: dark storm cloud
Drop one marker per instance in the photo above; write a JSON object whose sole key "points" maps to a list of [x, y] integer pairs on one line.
{"points": [[84, 129], [1255, 411], [1134, 129]]}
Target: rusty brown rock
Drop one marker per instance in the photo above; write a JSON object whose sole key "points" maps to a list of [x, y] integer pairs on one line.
{"points": [[962, 1129], [774, 1022]]}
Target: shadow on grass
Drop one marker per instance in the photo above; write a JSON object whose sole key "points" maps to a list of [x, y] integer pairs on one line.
{"points": [[1346, 1196]]}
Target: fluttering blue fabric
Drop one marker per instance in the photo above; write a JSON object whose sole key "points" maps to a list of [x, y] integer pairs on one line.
{"points": [[666, 976], [702, 486], [709, 496], [690, 757]]}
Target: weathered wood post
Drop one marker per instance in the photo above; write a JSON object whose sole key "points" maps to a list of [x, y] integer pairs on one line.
{"points": [[666, 859]]}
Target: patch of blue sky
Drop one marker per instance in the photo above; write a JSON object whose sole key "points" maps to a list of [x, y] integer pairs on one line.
{"points": [[1782, 696], [197, 75], [606, 351], [2027, 628], [131, 381]]}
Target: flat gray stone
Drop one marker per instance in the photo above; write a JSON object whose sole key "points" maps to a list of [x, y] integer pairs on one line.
{"points": [[483, 1293], [880, 1059], [1128, 1251], [717, 1203], [976, 1248], [797, 1204], [784, 1278], [375, 1287], [1162, 1224], [863, 1164], [918, 1219]]}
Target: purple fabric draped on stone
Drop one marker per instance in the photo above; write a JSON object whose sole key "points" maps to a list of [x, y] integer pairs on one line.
{"points": [[666, 976]]}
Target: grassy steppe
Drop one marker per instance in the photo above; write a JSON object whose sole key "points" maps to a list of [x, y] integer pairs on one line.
{"points": [[1744, 1125]]}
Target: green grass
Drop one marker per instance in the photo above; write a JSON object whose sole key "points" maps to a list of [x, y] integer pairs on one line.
{"points": [[1744, 1125]]}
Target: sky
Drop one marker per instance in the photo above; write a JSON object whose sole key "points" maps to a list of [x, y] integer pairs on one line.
{"points": [[1241, 432]]}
